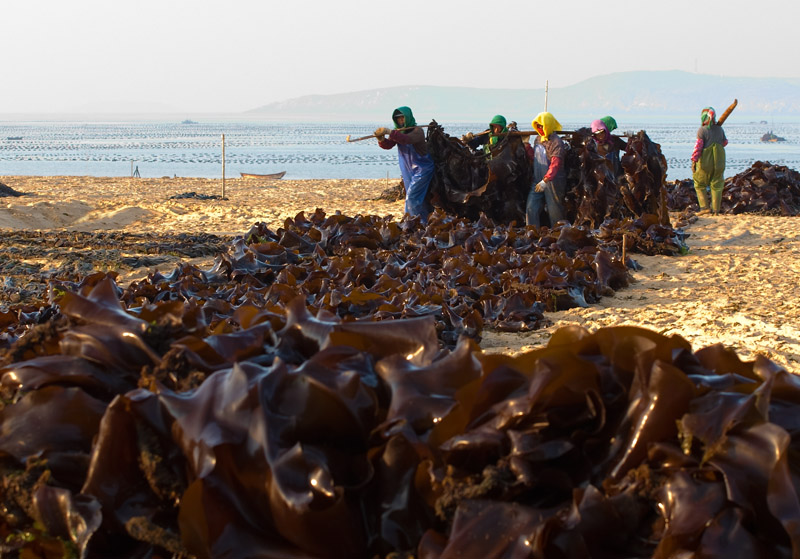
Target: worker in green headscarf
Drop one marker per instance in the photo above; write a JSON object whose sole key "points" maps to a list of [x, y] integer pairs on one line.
{"points": [[416, 164], [708, 162], [497, 129]]}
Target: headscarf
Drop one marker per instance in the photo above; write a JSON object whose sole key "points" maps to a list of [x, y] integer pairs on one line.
{"points": [[708, 116], [548, 123], [497, 119], [611, 124], [599, 125], [406, 112]]}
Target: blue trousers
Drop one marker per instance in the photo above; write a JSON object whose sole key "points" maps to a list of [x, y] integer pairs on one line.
{"points": [[552, 198]]}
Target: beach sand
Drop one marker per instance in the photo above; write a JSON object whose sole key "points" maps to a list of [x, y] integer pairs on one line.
{"points": [[737, 286]]}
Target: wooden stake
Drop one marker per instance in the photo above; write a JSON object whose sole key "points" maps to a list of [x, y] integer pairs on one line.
{"points": [[223, 166], [546, 93], [624, 247]]}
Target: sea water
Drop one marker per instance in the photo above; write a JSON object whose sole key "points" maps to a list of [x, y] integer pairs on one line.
{"points": [[172, 148]]}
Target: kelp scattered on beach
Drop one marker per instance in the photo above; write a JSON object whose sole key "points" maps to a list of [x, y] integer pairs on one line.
{"points": [[29, 260], [173, 418], [764, 188], [466, 274]]}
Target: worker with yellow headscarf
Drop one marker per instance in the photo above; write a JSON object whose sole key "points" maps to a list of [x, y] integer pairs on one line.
{"points": [[550, 176]]}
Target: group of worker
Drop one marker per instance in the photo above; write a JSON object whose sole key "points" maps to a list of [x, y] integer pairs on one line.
{"points": [[547, 153]]}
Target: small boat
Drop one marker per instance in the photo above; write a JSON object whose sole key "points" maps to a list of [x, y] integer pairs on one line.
{"points": [[770, 137], [14, 138], [267, 177]]}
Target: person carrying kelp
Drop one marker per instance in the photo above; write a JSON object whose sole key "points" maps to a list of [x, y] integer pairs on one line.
{"points": [[416, 164], [708, 161], [550, 185], [488, 139], [608, 145]]}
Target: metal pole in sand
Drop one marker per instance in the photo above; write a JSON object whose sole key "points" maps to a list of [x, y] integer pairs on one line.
{"points": [[223, 166]]}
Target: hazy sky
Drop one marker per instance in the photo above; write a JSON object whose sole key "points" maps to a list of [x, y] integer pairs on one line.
{"points": [[235, 55]]}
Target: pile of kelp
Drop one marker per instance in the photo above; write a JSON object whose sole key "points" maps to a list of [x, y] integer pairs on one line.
{"points": [[164, 420], [497, 184], [468, 184], [764, 188]]}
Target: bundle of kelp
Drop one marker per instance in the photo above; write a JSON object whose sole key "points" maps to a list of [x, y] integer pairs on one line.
{"points": [[497, 184], [596, 193], [762, 189], [143, 432], [467, 184]]}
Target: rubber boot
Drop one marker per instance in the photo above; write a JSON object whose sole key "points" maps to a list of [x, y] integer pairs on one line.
{"points": [[716, 201], [702, 201]]}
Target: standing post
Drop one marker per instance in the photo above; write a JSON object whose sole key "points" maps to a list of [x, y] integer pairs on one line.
{"points": [[223, 166], [546, 92]]}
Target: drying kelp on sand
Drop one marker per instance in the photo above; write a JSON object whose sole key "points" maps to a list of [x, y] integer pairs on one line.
{"points": [[178, 424], [763, 188]]}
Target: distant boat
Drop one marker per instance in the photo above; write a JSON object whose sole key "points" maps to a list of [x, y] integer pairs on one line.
{"points": [[14, 138], [187, 121], [268, 177], [770, 137]]}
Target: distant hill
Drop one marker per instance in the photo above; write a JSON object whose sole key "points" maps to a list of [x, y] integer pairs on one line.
{"points": [[657, 94]]}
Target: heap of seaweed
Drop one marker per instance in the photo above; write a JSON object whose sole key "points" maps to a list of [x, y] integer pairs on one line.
{"points": [[469, 184], [764, 188], [172, 418], [595, 194], [497, 184]]}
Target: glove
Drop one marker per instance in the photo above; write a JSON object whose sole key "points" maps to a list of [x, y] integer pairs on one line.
{"points": [[540, 186], [468, 136], [381, 132]]}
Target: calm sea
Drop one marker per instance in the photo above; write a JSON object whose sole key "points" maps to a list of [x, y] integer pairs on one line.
{"points": [[304, 151]]}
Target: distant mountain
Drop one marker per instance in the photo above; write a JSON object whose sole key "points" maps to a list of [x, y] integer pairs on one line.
{"points": [[657, 94]]}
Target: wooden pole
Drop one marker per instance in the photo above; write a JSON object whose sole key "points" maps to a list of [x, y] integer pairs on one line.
{"points": [[624, 247], [546, 93], [223, 166]]}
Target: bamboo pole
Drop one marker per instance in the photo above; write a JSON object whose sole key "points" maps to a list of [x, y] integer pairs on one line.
{"points": [[223, 166]]}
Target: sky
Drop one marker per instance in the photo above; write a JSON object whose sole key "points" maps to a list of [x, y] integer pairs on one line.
{"points": [[205, 56]]}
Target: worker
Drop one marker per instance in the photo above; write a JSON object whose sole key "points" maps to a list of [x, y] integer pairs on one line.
{"points": [[416, 164], [608, 145], [549, 188], [496, 131], [708, 162]]}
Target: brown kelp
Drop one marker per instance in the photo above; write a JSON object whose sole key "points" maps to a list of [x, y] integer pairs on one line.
{"points": [[764, 188], [595, 193], [467, 184], [179, 425]]}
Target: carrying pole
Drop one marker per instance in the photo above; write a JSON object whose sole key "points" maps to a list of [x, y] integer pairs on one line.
{"points": [[223, 166]]}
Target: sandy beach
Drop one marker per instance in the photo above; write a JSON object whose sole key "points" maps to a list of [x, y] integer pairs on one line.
{"points": [[737, 285]]}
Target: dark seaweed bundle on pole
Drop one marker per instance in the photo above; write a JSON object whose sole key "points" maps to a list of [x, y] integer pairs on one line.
{"points": [[467, 184], [595, 194], [645, 172]]}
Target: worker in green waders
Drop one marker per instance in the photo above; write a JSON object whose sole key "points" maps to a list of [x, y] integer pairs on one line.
{"points": [[708, 162]]}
